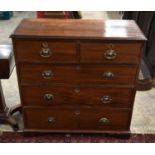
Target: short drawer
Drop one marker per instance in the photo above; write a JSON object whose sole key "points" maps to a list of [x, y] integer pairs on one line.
{"points": [[45, 51], [76, 119], [123, 53], [72, 74], [75, 95]]}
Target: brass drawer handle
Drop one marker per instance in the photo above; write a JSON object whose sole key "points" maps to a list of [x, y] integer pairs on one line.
{"points": [[51, 120], [45, 51], [104, 121], [108, 75], [106, 99], [110, 54], [48, 97], [47, 74]]}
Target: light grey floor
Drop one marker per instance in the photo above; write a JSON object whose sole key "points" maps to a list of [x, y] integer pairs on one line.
{"points": [[143, 120]]}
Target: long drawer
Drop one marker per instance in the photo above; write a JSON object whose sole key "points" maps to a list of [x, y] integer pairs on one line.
{"points": [[75, 95], [123, 53], [77, 74], [76, 119], [46, 51]]}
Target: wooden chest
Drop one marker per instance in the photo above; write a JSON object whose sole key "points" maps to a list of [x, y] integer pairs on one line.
{"points": [[77, 75]]}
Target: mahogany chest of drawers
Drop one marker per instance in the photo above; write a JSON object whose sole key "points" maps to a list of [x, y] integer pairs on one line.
{"points": [[77, 75]]}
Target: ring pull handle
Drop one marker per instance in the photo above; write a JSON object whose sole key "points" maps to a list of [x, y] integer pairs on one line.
{"points": [[51, 120], [48, 97], [106, 99], [45, 52], [108, 75], [104, 121], [47, 74], [110, 53]]}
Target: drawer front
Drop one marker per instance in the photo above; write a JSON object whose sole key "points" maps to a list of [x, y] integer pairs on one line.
{"points": [[72, 74], [104, 119], [45, 118], [46, 51], [126, 53], [66, 95], [76, 119]]}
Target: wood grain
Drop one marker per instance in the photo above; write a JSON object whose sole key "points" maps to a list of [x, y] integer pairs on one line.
{"points": [[76, 95], [83, 29], [76, 119], [78, 66], [62, 51], [77, 74], [127, 53]]}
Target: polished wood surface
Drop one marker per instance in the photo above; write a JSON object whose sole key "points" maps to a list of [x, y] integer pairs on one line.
{"points": [[127, 53], [76, 95], [66, 51], [83, 29], [76, 119], [75, 75], [62, 51]]}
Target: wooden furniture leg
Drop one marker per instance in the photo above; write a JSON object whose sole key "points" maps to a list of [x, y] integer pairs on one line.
{"points": [[5, 117]]}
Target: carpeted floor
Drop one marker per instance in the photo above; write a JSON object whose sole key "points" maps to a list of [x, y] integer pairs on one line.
{"points": [[75, 138]]}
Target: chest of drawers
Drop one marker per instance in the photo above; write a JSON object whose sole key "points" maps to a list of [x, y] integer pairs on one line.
{"points": [[77, 75]]}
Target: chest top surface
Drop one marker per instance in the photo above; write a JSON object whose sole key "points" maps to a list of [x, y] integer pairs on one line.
{"points": [[79, 29]]}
